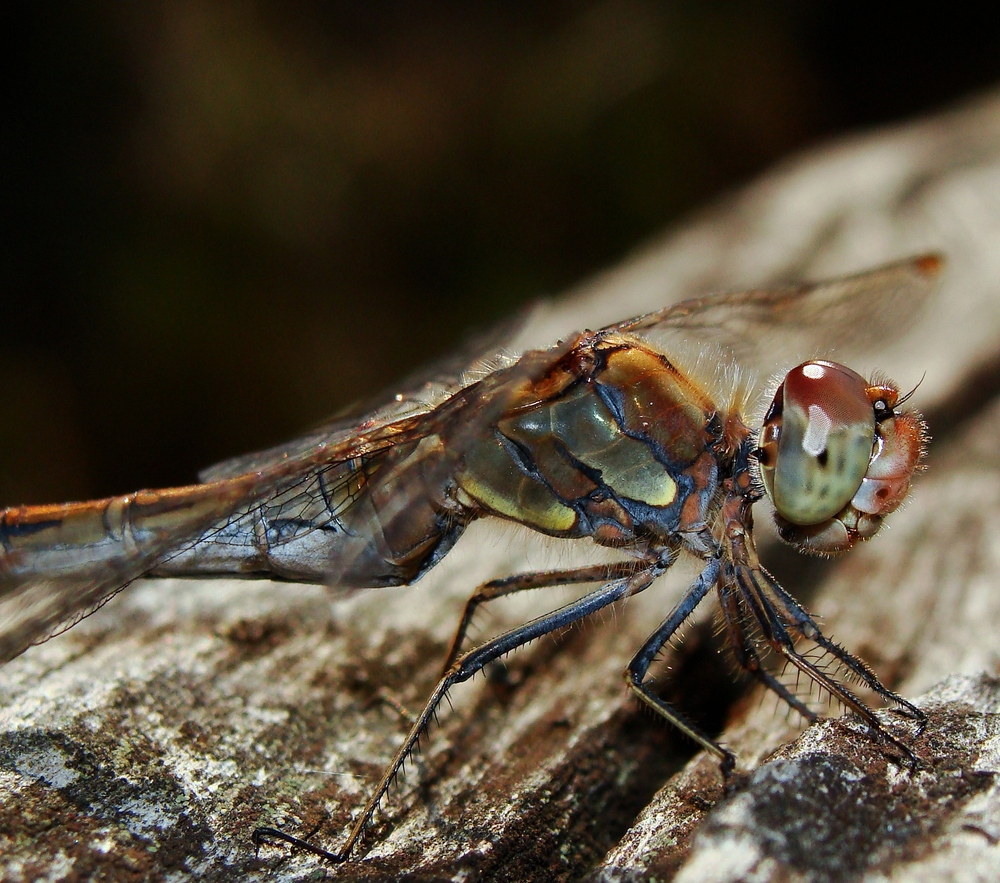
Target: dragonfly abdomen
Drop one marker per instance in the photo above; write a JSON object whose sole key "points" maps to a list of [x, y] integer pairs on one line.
{"points": [[39, 539], [59, 561], [367, 522]]}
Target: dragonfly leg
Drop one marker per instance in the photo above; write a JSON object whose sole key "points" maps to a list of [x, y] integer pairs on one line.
{"points": [[464, 668], [807, 626], [848, 698], [543, 579], [635, 674], [386, 697], [776, 634], [748, 658]]}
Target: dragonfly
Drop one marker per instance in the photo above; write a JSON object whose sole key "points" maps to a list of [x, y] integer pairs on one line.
{"points": [[603, 436]]}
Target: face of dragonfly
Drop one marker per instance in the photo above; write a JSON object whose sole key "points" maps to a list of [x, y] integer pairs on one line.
{"points": [[836, 456]]}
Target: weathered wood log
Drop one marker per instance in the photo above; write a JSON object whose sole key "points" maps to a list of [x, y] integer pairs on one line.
{"points": [[150, 740]]}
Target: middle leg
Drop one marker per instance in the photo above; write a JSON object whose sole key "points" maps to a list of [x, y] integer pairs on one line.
{"points": [[635, 674], [464, 668], [543, 579]]}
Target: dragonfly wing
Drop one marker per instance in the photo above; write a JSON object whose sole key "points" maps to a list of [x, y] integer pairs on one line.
{"points": [[59, 563], [387, 515], [763, 327], [419, 393], [759, 327]]}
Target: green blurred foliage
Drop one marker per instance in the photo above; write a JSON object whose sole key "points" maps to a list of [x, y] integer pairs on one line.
{"points": [[227, 219]]}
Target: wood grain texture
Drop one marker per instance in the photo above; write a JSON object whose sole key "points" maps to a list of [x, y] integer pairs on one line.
{"points": [[149, 741]]}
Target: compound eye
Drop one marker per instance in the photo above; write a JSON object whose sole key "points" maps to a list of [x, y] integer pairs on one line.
{"points": [[818, 436]]}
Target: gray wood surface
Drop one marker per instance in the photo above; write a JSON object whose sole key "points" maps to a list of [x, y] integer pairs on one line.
{"points": [[150, 740]]}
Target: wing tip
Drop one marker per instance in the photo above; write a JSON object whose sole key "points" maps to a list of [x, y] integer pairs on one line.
{"points": [[930, 264]]}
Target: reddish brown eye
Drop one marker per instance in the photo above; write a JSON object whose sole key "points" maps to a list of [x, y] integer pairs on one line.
{"points": [[821, 442]]}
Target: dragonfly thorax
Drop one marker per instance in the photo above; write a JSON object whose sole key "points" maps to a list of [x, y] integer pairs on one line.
{"points": [[626, 450]]}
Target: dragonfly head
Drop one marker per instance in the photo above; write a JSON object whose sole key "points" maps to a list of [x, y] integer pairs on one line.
{"points": [[836, 456]]}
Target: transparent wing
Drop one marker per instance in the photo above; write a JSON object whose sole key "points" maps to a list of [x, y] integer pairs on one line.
{"points": [[353, 493], [419, 393], [760, 327], [59, 563], [764, 327]]}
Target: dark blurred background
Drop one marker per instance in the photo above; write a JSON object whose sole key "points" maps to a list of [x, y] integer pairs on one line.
{"points": [[227, 219]]}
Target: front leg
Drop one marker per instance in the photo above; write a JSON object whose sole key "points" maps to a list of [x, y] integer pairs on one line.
{"points": [[737, 634]]}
